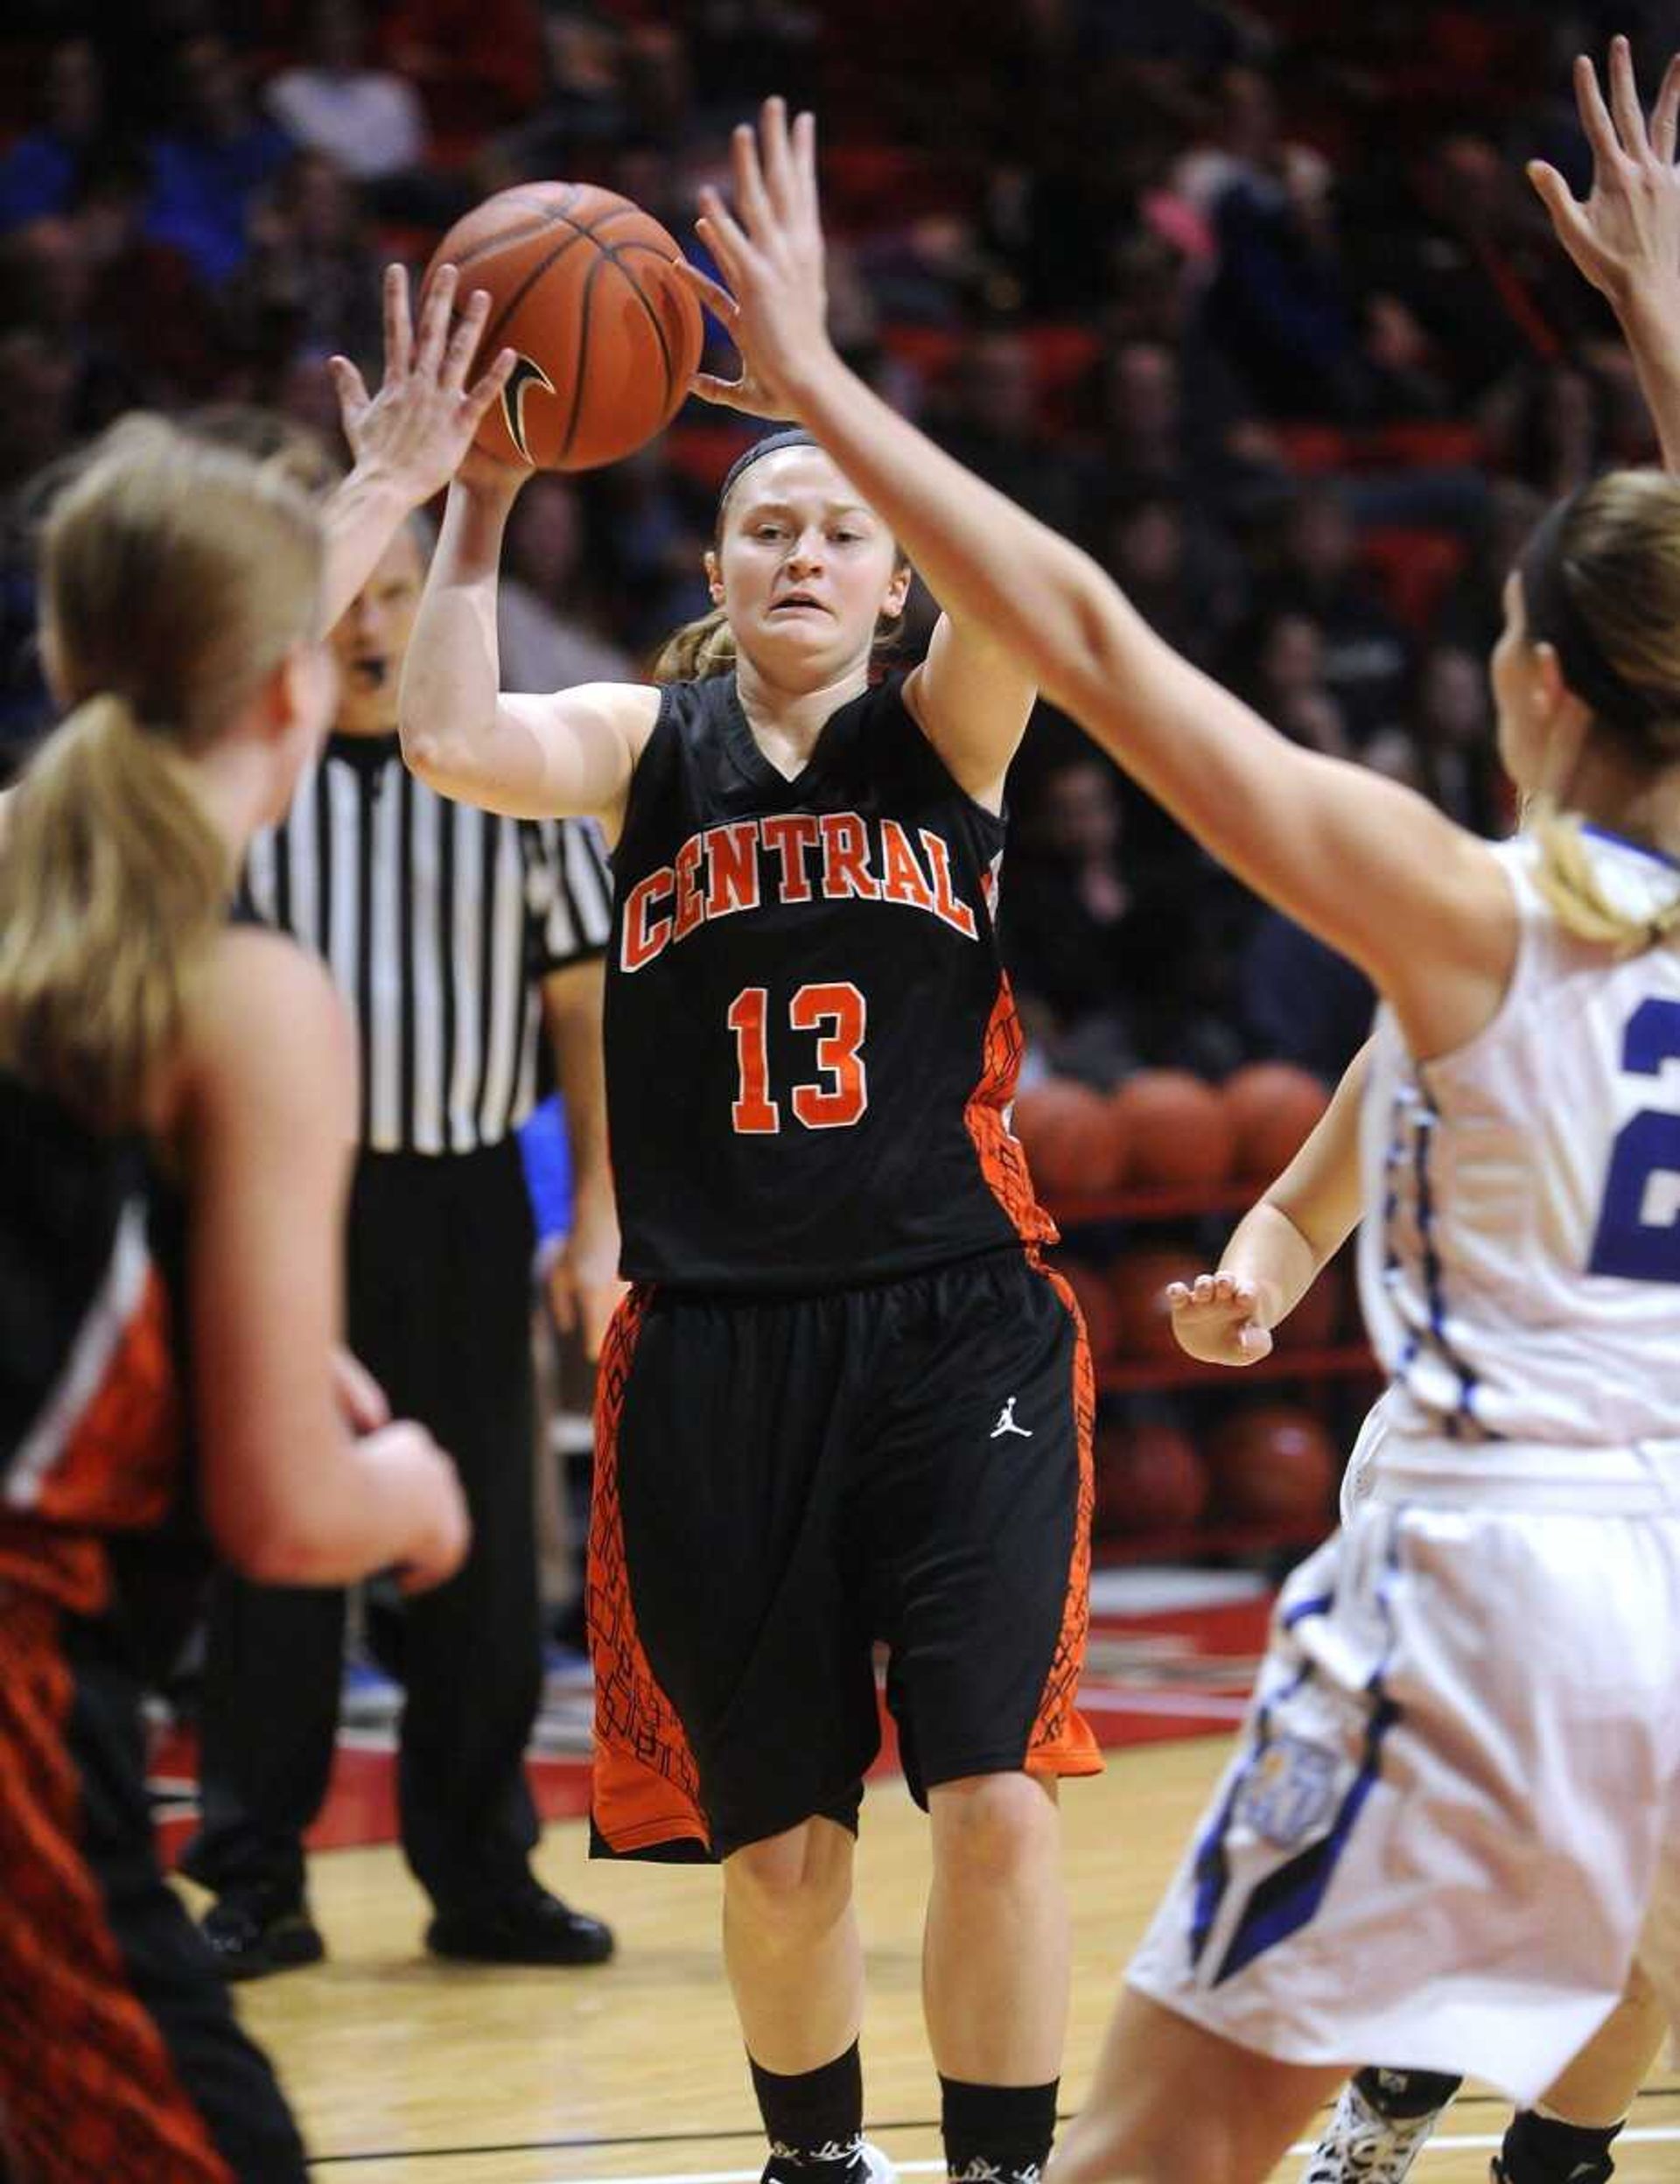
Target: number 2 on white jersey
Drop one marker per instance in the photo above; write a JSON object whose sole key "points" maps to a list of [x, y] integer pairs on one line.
{"points": [[1628, 1242]]}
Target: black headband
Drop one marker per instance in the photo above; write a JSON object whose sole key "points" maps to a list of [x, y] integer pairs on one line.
{"points": [[772, 443], [1553, 619]]}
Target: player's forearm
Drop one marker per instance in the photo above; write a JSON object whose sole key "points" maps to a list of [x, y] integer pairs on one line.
{"points": [[989, 564], [1650, 319], [1269, 1251], [361, 516], [451, 676]]}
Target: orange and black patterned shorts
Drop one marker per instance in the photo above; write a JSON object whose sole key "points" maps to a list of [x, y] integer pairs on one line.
{"points": [[119, 2057], [780, 1484]]}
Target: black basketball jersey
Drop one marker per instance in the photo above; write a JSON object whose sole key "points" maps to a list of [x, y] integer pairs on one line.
{"points": [[811, 1046], [93, 1441]]}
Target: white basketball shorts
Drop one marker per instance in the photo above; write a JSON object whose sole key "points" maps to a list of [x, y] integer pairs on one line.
{"points": [[1453, 1802]]}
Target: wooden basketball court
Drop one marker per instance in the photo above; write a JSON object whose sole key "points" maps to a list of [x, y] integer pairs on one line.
{"points": [[407, 2071]]}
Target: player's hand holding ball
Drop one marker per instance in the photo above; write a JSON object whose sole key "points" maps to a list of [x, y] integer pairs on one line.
{"points": [[1213, 1318]]}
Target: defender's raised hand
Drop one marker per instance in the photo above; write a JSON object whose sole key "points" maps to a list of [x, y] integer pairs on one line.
{"points": [[1626, 237], [415, 431], [769, 249], [409, 438]]}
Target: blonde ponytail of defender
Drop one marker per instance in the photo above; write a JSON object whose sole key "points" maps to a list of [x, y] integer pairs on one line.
{"points": [[1565, 876], [111, 879], [176, 578]]}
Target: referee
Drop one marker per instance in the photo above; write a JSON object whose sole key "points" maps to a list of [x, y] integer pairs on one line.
{"points": [[451, 933]]}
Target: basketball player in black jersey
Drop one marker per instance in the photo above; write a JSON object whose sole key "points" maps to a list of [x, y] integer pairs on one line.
{"points": [[845, 1402], [177, 1102]]}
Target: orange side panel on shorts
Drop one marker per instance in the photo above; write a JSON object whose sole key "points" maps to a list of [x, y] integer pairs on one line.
{"points": [[645, 1788], [86, 2085], [1002, 1161], [1061, 1742]]}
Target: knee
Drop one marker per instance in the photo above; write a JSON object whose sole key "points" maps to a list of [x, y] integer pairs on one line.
{"points": [[790, 1886], [992, 1829]]}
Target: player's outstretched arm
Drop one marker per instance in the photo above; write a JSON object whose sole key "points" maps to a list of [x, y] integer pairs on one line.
{"points": [[570, 752], [1625, 238], [1370, 867], [1282, 1243], [408, 439]]}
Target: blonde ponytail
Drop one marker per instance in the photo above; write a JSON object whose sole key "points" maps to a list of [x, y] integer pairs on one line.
{"points": [[112, 877], [1568, 878], [176, 578], [700, 648]]}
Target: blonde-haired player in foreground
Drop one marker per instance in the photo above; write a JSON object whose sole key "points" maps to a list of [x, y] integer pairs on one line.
{"points": [[1470, 1712]]}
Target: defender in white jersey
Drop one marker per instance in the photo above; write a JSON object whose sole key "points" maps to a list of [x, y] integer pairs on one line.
{"points": [[1459, 1797]]}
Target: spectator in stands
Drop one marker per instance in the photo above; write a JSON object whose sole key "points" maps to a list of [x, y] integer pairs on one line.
{"points": [[543, 647], [1452, 728], [1367, 654], [992, 423], [369, 121], [1280, 663], [311, 278], [1301, 1001], [42, 172], [211, 161]]}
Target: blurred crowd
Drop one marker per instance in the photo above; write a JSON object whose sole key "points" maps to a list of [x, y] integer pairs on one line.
{"points": [[1251, 299]]}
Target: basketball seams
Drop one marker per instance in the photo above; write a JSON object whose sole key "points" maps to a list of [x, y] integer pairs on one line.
{"points": [[619, 253], [580, 373], [579, 234]]}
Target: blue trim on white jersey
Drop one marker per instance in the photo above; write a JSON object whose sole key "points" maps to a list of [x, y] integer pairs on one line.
{"points": [[1623, 841], [1289, 1899]]}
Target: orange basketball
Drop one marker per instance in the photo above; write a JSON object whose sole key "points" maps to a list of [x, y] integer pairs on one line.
{"points": [[1064, 1130], [1137, 1281], [582, 287], [1177, 1129], [1273, 1464], [1273, 1106], [1095, 1306], [1149, 1479]]}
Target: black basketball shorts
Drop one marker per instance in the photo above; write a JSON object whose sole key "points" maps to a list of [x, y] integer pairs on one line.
{"points": [[780, 1485]]}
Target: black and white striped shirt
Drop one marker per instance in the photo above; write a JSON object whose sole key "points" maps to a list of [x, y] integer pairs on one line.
{"points": [[437, 922]]}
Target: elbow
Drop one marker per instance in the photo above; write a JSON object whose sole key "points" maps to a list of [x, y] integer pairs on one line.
{"points": [[268, 1538], [275, 1548], [424, 752]]}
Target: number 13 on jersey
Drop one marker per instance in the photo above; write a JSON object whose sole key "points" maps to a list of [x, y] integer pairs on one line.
{"points": [[837, 1015]]}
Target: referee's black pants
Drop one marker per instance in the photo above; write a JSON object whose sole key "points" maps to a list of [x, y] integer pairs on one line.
{"points": [[439, 1310]]}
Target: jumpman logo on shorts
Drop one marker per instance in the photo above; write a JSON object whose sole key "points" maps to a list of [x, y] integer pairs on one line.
{"points": [[1007, 1424]]}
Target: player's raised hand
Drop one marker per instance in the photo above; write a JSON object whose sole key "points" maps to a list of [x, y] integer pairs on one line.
{"points": [[1214, 1319], [769, 249], [1626, 237], [416, 430]]}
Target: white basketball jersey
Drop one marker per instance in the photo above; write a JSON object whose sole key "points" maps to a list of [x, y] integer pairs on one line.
{"points": [[1520, 1251]]}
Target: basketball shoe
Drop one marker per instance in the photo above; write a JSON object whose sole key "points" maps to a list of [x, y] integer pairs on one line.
{"points": [[1362, 2145]]}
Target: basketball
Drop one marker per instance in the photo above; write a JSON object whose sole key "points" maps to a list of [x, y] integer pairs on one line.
{"points": [[1138, 1281], [1149, 1479], [607, 334], [1095, 1306], [1272, 1107], [1273, 1464], [1176, 1127], [1067, 1134]]}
